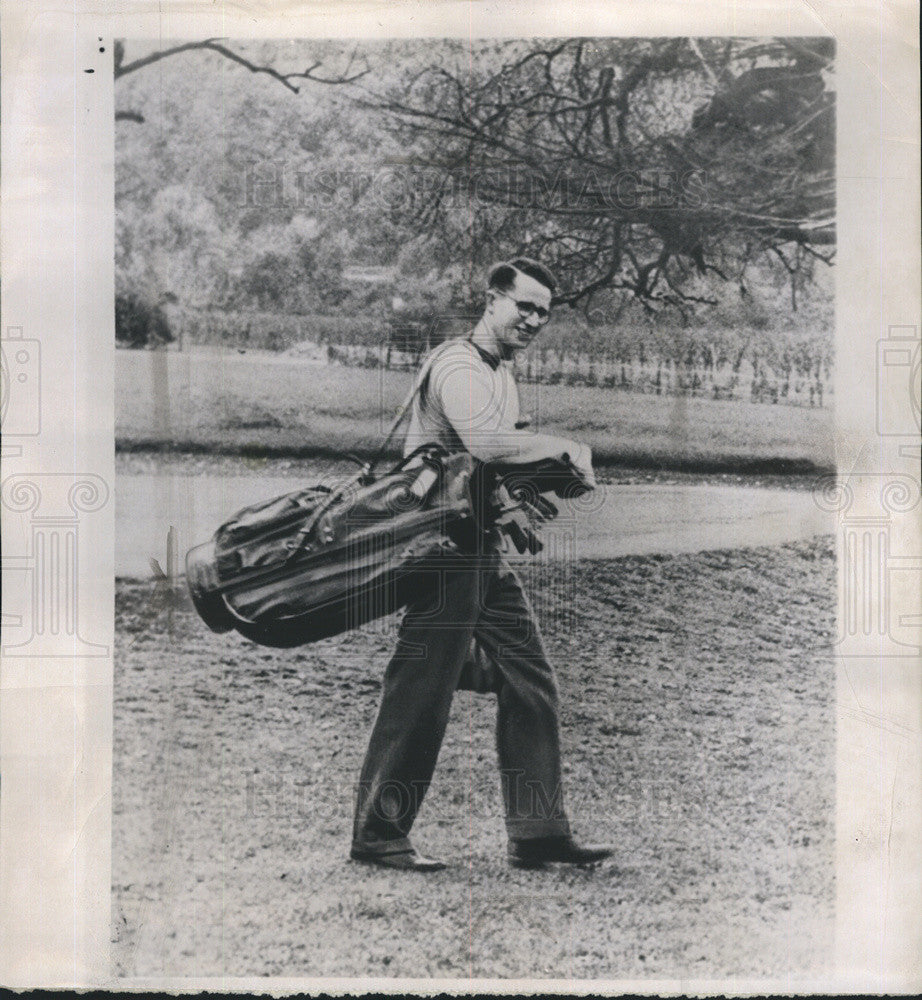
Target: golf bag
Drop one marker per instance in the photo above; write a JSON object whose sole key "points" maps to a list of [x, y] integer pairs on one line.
{"points": [[317, 562]]}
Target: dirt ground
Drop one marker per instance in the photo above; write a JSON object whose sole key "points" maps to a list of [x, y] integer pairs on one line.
{"points": [[699, 738]]}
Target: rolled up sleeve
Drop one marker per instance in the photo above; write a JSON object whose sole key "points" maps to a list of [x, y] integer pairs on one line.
{"points": [[476, 409]]}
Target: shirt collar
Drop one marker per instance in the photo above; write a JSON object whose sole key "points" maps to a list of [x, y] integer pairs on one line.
{"points": [[488, 357]]}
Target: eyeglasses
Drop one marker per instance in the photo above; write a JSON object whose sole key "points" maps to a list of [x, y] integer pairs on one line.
{"points": [[527, 309]]}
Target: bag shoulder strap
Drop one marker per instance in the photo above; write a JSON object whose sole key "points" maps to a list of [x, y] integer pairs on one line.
{"points": [[403, 411]]}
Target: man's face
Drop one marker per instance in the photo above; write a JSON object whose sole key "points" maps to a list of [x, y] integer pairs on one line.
{"points": [[521, 312]]}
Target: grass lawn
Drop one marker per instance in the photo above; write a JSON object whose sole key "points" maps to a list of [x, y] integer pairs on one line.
{"points": [[274, 405]]}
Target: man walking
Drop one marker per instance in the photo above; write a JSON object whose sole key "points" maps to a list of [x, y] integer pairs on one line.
{"points": [[469, 401]]}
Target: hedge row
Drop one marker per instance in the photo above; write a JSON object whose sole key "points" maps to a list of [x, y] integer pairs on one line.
{"points": [[566, 334], [270, 331]]}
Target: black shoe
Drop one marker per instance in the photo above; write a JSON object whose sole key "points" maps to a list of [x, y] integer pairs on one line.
{"points": [[538, 851], [408, 861]]}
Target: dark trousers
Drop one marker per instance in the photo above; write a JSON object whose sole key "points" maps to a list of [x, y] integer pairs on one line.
{"points": [[469, 597]]}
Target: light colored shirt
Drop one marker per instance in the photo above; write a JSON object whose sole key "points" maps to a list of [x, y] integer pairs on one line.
{"points": [[471, 404]]}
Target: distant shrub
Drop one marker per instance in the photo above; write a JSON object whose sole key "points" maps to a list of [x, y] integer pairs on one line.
{"points": [[280, 331], [262, 331], [140, 323]]}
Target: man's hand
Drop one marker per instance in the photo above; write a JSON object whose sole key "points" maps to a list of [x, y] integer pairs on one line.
{"points": [[581, 462], [523, 512], [536, 508]]}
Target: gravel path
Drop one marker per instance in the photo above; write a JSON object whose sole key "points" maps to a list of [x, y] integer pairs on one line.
{"points": [[633, 517]]}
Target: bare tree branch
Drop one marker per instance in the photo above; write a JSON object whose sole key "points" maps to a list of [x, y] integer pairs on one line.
{"points": [[568, 145], [214, 45]]}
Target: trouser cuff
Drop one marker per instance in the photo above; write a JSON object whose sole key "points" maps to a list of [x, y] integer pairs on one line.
{"points": [[398, 846], [527, 829]]}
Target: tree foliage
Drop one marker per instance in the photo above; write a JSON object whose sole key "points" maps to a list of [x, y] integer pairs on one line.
{"points": [[686, 177]]}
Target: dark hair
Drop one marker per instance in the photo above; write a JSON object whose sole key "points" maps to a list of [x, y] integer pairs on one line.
{"points": [[502, 276]]}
